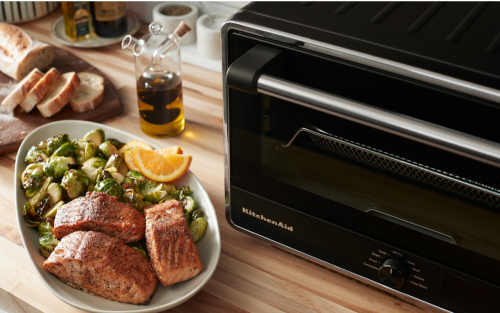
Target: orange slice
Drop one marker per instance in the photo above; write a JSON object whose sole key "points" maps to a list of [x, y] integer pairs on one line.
{"points": [[132, 145], [171, 150], [161, 167], [128, 157]]}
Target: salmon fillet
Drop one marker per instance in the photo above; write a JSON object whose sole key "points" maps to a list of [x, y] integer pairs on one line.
{"points": [[99, 264], [170, 244], [98, 211]]}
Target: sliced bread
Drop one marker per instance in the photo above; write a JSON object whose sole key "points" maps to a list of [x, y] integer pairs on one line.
{"points": [[90, 92], [21, 90], [59, 94], [36, 93]]}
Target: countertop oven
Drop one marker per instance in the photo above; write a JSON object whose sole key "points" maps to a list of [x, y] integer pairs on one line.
{"points": [[366, 136]]}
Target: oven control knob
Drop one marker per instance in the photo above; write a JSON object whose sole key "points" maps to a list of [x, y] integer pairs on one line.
{"points": [[392, 273]]}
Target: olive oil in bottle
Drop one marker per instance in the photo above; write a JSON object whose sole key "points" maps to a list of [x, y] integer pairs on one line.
{"points": [[110, 18], [160, 104], [77, 20]]}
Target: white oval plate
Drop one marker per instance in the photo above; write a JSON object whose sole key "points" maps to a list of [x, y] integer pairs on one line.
{"points": [[59, 33], [164, 298]]}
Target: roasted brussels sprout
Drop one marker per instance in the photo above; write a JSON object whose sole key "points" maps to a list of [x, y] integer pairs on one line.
{"points": [[75, 182], [55, 192], [189, 206], [52, 211], [197, 228], [83, 151], [114, 161], [136, 176], [47, 240], [32, 169], [197, 214], [64, 150], [93, 167], [110, 187], [131, 186], [55, 142], [41, 193], [136, 245], [33, 182], [33, 211], [56, 166], [133, 199], [117, 143], [152, 191], [107, 149], [95, 136], [35, 155]]}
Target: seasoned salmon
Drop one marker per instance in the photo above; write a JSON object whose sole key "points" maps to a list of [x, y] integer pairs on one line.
{"points": [[99, 264], [170, 244], [98, 211]]}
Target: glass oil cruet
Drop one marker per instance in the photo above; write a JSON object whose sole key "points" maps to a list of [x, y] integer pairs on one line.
{"points": [[158, 77]]}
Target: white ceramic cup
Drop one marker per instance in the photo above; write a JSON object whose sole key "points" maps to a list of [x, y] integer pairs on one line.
{"points": [[209, 35], [171, 22]]}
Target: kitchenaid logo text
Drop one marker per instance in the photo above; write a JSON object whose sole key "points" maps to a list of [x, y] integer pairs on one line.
{"points": [[262, 217]]}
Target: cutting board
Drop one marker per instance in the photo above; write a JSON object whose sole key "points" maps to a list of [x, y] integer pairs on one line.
{"points": [[15, 127]]}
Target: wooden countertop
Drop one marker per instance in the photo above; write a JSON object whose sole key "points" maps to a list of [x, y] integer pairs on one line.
{"points": [[252, 276]]}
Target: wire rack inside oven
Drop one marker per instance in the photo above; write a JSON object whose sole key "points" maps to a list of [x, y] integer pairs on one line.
{"points": [[403, 167]]}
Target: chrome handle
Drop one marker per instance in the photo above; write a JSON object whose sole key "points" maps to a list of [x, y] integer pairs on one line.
{"points": [[440, 137], [442, 235]]}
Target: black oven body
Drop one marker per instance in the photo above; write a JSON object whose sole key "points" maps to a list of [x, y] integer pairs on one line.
{"points": [[414, 217]]}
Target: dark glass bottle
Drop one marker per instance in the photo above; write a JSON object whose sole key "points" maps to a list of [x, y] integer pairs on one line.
{"points": [[110, 18]]}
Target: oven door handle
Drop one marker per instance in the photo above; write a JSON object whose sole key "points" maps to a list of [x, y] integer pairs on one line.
{"points": [[246, 74]]}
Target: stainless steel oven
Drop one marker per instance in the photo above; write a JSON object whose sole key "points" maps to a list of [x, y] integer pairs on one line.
{"points": [[366, 136]]}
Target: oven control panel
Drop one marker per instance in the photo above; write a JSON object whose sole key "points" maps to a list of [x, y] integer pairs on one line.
{"points": [[395, 269]]}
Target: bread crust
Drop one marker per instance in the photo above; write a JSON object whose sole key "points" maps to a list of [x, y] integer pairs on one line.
{"points": [[59, 94], [84, 103], [19, 54], [22, 89], [39, 90]]}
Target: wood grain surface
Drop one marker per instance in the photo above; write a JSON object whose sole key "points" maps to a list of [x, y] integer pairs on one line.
{"points": [[16, 126], [251, 276]]}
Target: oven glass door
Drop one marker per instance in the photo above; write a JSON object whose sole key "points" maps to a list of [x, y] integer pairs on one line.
{"points": [[428, 201]]}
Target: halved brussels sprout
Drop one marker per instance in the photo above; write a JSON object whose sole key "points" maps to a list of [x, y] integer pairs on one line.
{"points": [[197, 228], [136, 176], [47, 240], [189, 206], [133, 199], [55, 192], [33, 211], [41, 193], [32, 184], [93, 167], [95, 136], [169, 188], [197, 214], [75, 182], [56, 166], [150, 186], [52, 211], [83, 150], [117, 143], [123, 169], [35, 155], [114, 161], [131, 186], [32, 169], [109, 186], [107, 149], [57, 141], [64, 150], [136, 245]]}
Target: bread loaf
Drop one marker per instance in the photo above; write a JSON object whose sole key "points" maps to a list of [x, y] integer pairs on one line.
{"points": [[19, 54], [21, 90], [59, 94], [89, 94]]}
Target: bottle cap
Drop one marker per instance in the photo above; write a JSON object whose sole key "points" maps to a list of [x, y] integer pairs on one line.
{"points": [[182, 29]]}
